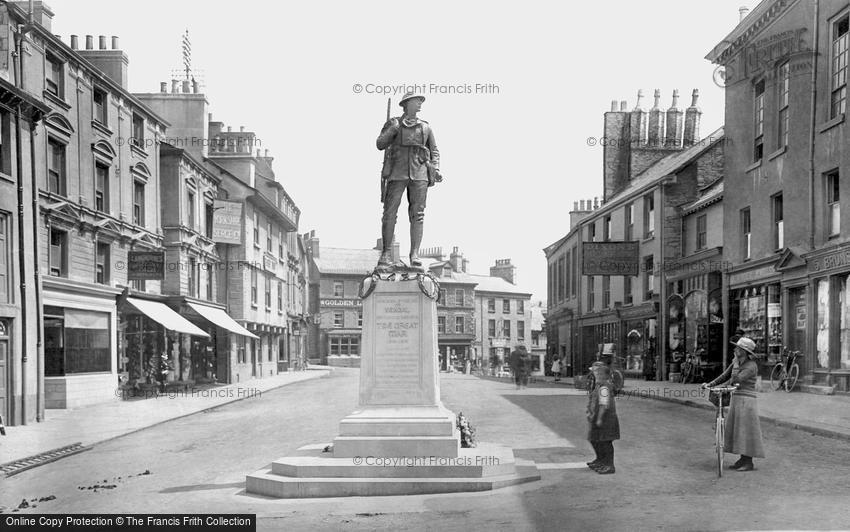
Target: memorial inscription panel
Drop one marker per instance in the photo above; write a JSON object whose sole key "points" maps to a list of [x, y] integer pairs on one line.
{"points": [[397, 362]]}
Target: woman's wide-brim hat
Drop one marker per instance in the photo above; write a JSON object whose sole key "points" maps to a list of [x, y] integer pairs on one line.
{"points": [[409, 96], [746, 344]]}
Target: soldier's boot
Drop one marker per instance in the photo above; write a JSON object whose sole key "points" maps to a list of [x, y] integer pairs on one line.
{"points": [[415, 241], [387, 231]]}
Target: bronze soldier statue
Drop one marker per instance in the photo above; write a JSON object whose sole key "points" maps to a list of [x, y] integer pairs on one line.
{"points": [[412, 164]]}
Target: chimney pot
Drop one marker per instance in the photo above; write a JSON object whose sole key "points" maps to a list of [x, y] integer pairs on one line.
{"points": [[163, 86], [742, 12], [575, 205], [89, 42], [266, 153], [241, 129], [581, 205], [102, 41], [194, 86], [186, 86], [613, 106], [258, 152], [595, 202], [623, 105], [229, 129], [209, 117], [639, 96], [175, 86], [74, 42], [115, 43]]}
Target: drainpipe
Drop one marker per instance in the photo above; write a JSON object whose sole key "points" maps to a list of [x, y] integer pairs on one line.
{"points": [[39, 323], [813, 113]]}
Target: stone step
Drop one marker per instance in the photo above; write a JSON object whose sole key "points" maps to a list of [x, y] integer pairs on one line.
{"points": [[271, 485], [399, 427], [486, 461], [363, 446]]}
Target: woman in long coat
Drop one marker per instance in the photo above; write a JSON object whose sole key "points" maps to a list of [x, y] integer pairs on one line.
{"points": [[743, 429]]}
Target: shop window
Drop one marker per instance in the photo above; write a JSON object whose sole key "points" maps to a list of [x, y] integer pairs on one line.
{"points": [[746, 234], [240, 349], [822, 339], [758, 121], [441, 324], [844, 356], [778, 223], [833, 204], [76, 341], [838, 98], [784, 118]]}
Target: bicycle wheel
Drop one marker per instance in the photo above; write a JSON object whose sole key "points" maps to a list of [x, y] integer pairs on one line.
{"points": [[617, 378], [791, 380], [688, 373], [718, 445], [777, 375]]}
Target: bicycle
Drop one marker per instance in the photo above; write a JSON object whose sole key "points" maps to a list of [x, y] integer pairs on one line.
{"points": [[692, 368], [720, 423], [785, 372]]}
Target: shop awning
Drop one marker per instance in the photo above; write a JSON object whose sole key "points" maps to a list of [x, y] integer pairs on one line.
{"points": [[220, 318], [160, 313]]}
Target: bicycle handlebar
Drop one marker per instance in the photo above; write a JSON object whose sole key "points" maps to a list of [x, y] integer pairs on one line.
{"points": [[722, 389]]}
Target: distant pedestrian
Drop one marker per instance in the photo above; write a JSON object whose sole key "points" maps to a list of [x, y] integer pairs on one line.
{"points": [[743, 429], [520, 362], [603, 423], [556, 369]]}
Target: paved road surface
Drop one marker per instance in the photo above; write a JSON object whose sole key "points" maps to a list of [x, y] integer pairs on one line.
{"points": [[664, 481]]}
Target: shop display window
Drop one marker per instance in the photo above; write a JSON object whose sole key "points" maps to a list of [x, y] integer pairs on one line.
{"points": [[822, 342]]}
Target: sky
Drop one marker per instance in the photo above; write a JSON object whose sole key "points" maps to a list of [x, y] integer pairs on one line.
{"points": [[514, 93]]}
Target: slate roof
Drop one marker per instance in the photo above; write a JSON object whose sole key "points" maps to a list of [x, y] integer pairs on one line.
{"points": [[709, 195], [347, 261]]}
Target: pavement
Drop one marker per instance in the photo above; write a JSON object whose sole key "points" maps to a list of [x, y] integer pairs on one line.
{"points": [[824, 415], [98, 423]]}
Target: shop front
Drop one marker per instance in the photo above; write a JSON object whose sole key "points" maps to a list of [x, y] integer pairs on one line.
{"points": [[695, 323], [80, 343], [205, 352], [829, 328]]}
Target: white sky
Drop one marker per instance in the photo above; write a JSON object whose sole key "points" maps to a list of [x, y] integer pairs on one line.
{"points": [[514, 162]]}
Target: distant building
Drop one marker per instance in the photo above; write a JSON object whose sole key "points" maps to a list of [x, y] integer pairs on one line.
{"points": [[538, 336]]}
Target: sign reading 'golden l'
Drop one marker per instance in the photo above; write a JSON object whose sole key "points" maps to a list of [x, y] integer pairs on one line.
{"points": [[610, 258]]}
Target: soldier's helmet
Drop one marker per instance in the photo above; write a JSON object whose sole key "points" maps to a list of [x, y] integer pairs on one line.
{"points": [[409, 95]]}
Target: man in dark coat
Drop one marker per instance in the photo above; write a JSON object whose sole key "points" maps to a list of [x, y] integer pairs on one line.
{"points": [[603, 424], [520, 363], [412, 164]]}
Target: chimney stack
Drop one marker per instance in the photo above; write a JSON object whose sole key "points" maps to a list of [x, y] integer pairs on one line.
{"points": [[674, 123], [89, 42], [742, 12], [102, 42], [74, 42], [692, 118], [655, 134], [504, 270], [638, 123]]}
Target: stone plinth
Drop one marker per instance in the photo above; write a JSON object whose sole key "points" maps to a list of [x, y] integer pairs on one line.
{"points": [[400, 439]]}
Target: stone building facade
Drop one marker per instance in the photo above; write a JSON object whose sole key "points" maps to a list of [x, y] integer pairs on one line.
{"points": [[786, 103]]}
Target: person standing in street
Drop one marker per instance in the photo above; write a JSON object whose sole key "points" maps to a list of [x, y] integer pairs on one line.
{"points": [[556, 368], [743, 428], [520, 362], [603, 423]]}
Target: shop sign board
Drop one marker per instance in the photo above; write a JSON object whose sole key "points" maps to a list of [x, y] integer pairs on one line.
{"points": [[227, 222], [832, 261], [610, 258], [145, 265]]}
